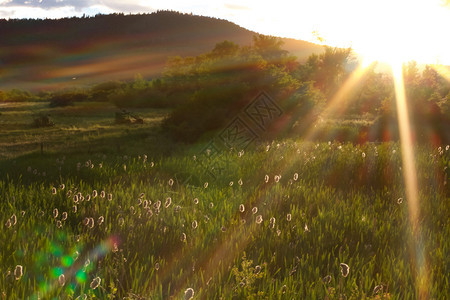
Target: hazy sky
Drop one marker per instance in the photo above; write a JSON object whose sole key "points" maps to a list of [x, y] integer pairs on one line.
{"points": [[421, 25]]}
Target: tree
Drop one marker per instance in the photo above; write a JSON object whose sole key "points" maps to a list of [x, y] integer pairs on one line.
{"points": [[328, 70], [225, 48], [269, 47]]}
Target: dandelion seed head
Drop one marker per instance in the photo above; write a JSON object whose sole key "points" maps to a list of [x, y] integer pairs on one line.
{"points": [[53, 190], [74, 208], [240, 182], [188, 294], [18, 272], [254, 210], [75, 199], [157, 204], [241, 208], [8, 223], [378, 289], [101, 219], [88, 198], [231, 183], [94, 193], [170, 182], [266, 178], [109, 197], [195, 200], [257, 269], [62, 280], [277, 178], [327, 279], [205, 185], [400, 200], [95, 283], [211, 205], [363, 155], [13, 219], [194, 224], [168, 202], [59, 224], [183, 237], [288, 217], [91, 223], [295, 176], [102, 194], [278, 232], [259, 219], [345, 269], [55, 213]]}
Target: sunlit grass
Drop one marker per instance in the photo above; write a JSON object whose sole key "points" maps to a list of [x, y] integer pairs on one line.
{"points": [[320, 206]]}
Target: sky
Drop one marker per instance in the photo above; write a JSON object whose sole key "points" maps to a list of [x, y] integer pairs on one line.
{"points": [[413, 28]]}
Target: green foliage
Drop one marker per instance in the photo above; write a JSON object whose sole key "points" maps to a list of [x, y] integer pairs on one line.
{"points": [[245, 278], [42, 121], [328, 70], [217, 85], [16, 95], [67, 98]]}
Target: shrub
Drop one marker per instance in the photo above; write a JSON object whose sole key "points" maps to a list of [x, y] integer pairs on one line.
{"points": [[42, 121]]}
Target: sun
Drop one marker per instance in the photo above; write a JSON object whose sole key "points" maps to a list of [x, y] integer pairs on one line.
{"points": [[405, 31], [395, 31]]}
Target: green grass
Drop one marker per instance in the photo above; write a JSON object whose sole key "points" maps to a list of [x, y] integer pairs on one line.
{"points": [[332, 203], [82, 128]]}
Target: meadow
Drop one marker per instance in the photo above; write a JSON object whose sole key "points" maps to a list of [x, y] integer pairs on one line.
{"points": [[108, 211]]}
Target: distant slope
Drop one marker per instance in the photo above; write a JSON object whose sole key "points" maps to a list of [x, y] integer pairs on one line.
{"points": [[43, 54]]}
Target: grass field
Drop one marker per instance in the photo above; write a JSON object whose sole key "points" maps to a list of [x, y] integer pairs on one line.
{"points": [[121, 211]]}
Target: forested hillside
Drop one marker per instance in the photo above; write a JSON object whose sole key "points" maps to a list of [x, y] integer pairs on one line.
{"points": [[42, 54]]}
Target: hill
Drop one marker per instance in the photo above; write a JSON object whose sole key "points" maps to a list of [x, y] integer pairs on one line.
{"points": [[44, 54]]}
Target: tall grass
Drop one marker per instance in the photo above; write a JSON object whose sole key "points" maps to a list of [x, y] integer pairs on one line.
{"points": [[153, 228]]}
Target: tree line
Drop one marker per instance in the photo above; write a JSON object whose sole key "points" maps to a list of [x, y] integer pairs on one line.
{"points": [[205, 91]]}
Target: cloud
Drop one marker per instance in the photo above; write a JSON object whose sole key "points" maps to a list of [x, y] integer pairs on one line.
{"points": [[41, 9], [47, 4], [79, 5], [238, 7]]}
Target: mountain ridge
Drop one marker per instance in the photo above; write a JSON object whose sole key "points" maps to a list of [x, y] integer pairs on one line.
{"points": [[39, 54]]}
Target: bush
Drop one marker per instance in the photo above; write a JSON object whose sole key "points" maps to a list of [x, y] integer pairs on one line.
{"points": [[42, 121], [66, 99]]}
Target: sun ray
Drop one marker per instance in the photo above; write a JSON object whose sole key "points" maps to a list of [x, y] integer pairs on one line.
{"points": [[337, 105], [410, 179]]}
